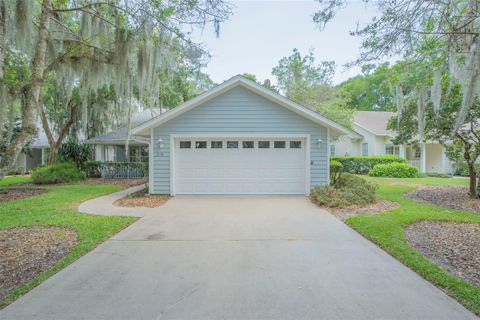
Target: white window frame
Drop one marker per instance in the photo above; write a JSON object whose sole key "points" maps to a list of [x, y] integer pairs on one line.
{"points": [[395, 150]]}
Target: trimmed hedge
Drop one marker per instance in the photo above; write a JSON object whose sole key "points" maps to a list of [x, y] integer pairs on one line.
{"points": [[57, 173], [394, 170], [362, 165], [336, 169], [347, 191]]}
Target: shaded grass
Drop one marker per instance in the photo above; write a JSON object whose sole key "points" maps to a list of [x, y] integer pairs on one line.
{"points": [[430, 181], [58, 208], [387, 231], [14, 179]]}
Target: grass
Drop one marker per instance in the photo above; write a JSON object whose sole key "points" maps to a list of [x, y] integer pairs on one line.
{"points": [[14, 179], [386, 230], [58, 208]]}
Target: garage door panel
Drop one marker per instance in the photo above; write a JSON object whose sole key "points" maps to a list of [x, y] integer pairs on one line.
{"points": [[239, 171]]}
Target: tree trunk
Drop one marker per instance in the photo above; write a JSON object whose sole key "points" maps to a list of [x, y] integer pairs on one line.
{"points": [[2, 37], [53, 154], [472, 172], [32, 94]]}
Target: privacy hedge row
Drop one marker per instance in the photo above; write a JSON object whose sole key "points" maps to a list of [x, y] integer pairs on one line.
{"points": [[461, 169], [57, 173], [362, 165], [394, 170]]}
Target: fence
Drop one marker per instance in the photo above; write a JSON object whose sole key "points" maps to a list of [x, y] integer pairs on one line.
{"points": [[415, 163], [117, 170]]}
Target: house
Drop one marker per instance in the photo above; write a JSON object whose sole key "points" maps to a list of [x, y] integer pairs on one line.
{"points": [[375, 140], [111, 146], [238, 138], [36, 155]]}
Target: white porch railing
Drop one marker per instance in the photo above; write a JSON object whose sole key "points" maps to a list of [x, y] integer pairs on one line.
{"points": [[415, 163]]}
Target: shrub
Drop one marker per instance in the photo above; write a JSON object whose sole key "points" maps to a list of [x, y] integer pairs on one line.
{"points": [[362, 165], [435, 175], [461, 169], [73, 151], [336, 169], [349, 190], [394, 170], [57, 173]]}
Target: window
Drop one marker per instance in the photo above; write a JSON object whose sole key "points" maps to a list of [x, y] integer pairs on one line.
{"points": [[247, 144], [136, 154], [200, 144], [392, 150], [263, 144], [185, 144], [279, 144], [332, 150], [418, 153], [216, 144], [295, 144], [232, 144], [364, 149]]}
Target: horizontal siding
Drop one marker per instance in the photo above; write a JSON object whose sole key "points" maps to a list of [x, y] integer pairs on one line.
{"points": [[244, 112]]}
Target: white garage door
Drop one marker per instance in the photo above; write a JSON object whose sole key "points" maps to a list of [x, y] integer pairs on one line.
{"points": [[239, 166]]}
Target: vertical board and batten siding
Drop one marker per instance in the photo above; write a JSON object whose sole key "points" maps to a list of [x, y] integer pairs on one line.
{"points": [[238, 111]]}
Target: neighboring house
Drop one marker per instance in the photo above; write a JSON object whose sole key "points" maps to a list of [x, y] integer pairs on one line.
{"points": [[238, 138], [37, 154], [111, 146], [376, 140]]}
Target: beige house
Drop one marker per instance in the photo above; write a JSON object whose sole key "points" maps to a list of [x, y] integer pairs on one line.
{"points": [[376, 141]]}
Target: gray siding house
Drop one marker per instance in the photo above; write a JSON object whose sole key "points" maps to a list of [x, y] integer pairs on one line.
{"points": [[238, 138]]}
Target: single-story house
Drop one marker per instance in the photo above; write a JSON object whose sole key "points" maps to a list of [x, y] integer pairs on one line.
{"points": [[238, 138], [374, 139], [37, 153]]}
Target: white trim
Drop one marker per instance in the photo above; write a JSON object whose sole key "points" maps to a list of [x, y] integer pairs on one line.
{"points": [[252, 86], [173, 137], [150, 163], [373, 132]]}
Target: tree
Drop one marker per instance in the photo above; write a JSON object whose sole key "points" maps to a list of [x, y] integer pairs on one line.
{"points": [[464, 145], [309, 84], [297, 76], [267, 83], [90, 44], [371, 91]]}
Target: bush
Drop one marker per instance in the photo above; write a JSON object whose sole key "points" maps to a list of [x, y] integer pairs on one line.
{"points": [[362, 165], [348, 190], [73, 151], [394, 170], [461, 169], [336, 169], [57, 173], [435, 175]]}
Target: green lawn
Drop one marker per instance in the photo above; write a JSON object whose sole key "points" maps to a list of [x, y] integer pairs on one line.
{"points": [[14, 179], [58, 208], [386, 230]]}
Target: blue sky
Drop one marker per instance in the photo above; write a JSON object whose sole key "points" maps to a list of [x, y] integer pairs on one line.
{"points": [[260, 33]]}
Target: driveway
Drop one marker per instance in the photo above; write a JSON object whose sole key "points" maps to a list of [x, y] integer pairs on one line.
{"points": [[236, 258]]}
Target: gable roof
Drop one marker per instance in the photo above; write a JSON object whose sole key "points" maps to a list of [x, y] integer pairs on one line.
{"points": [[120, 135], [239, 80], [374, 121]]}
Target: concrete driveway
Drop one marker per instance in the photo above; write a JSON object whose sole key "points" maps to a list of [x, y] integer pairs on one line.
{"points": [[236, 258]]}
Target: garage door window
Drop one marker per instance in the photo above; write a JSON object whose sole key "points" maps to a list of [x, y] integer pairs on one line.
{"points": [[201, 145], [247, 144], [295, 144], [279, 144], [216, 145], [232, 144], [263, 144], [185, 144]]}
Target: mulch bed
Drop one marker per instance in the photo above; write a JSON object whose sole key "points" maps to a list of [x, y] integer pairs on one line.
{"points": [[26, 252], [451, 197], [453, 246], [7, 194], [143, 200], [119, 182], [377, 207]]}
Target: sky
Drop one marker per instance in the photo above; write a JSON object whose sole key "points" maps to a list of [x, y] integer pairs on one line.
{"points": [[260, 33]]}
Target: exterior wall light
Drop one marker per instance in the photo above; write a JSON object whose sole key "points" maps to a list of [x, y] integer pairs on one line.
{"points": [[319, 142], [160, 142]]}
